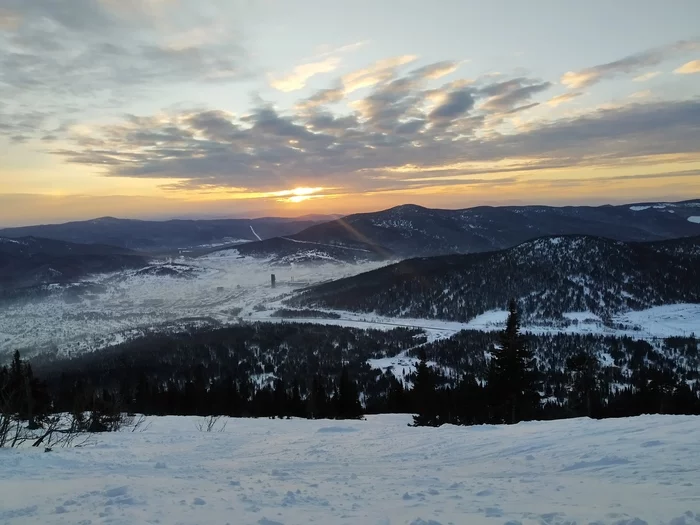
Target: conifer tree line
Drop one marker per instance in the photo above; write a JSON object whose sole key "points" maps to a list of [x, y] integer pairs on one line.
{"points": [[311, 371], [514, 389]]}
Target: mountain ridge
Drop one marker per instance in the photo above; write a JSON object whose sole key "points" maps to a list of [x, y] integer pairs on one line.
{"points": [[161, 236], [549, 276], [30, 261], [411, 230]]}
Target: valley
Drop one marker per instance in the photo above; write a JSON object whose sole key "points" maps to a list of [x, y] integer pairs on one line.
{"points": [[225, 288]]}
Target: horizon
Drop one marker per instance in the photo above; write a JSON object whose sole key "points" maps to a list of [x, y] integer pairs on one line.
{"points": [[163, 109], [333, 216]]}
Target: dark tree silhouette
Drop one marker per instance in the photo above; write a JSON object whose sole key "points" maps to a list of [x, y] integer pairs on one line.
{"points": [[584, 392], [425, 395], [513, 382]]}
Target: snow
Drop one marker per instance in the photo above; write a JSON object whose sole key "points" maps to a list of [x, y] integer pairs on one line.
{"points": [[695, 220], [254, 233], [488, 321], [629, 471], [654, 206], [399, 366], [337, 246], [224, 288], [434, 328], [581, 317], [665, 321]]}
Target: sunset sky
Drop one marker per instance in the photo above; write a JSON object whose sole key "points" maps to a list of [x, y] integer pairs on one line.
{"points": [[222, 108]]}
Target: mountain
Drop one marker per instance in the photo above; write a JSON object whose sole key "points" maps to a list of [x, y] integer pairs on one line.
{"points": [[683, 247], [288, 250], [29, 261], [549, 277], [163, 236], [411, 231]]}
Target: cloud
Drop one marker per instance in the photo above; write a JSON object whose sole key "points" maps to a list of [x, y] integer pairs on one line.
{"points": [[436, 70], [321, 98], [456, 104], [9, 20], [689, 68], [627, 65], [380, 71], [506, 96], [67, 57], [563, 98], [298, 78], [646, 76]]}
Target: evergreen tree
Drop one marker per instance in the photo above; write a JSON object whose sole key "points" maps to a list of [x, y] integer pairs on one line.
{"points": [[280, 399], [317, 401], [348, 401], [397, 400], [424, 394], [513, 381], [584, 384]]}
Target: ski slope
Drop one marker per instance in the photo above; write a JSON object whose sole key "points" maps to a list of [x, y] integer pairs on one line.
{"points": [[631, 471]]}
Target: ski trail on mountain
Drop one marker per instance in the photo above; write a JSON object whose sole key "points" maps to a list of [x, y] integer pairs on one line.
{"points": [[255, 233], [324, 244]]}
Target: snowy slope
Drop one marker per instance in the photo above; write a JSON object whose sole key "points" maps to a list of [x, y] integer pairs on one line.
{"points": [[632, 471]]}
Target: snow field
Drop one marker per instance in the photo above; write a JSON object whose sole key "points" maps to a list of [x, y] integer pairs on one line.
{"points": [[631, 471], [132, 305]]}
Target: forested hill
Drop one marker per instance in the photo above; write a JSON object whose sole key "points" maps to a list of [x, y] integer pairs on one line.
{"points": [[548, 276], [30, 261]]}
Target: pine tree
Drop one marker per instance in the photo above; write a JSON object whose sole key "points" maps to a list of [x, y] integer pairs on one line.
{"points": [[584, 384], [317, 401], [281, 401], [424, 394], [513, 377], [348, 400]]}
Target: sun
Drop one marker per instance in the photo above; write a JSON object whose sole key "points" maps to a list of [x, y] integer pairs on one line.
{"points": [[300, 194]]}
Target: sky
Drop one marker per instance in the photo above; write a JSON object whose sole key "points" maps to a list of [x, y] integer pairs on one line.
{"points": [[232, 108]]}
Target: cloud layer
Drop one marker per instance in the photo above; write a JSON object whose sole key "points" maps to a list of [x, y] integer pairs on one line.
{"points": [[404, 133]]}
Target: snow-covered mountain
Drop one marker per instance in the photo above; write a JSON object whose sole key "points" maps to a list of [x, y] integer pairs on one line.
{"points": [[549, 277], [411, 231], [28, 261]]}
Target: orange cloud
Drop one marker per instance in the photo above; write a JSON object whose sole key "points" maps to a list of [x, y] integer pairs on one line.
{"points": [[646, 76], [689, 68], [563, 98], [300, 75], [380, 71]]}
